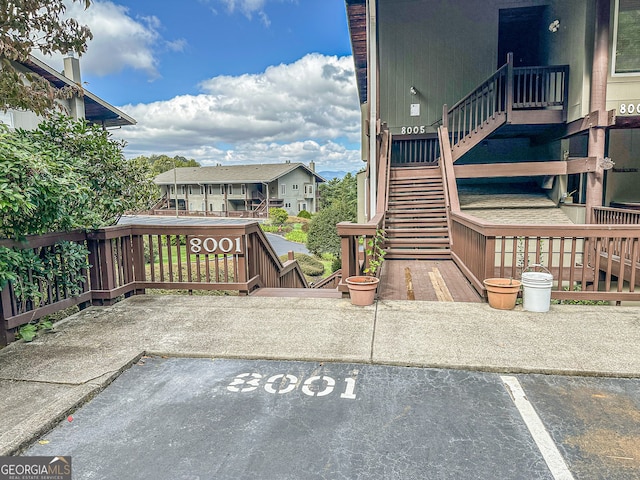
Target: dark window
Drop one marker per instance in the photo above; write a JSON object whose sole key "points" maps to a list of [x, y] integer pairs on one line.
{"points": [[627, 42]]}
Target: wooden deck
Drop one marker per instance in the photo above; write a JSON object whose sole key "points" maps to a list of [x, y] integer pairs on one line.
{"points": [[426, 280], [298, 292]]}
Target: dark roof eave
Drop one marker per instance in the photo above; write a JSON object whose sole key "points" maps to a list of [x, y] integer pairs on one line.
{"points": [[357, 20], [96, 109]]}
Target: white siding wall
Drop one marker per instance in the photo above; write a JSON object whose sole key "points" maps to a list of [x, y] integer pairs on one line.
{"points": [[294, 198]]}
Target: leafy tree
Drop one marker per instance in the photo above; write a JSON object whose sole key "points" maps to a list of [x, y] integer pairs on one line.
{"points": [[340, 191], [323, 234], [26, 26], [163, 163], [278, 216], [67, 174], [338, 203]]}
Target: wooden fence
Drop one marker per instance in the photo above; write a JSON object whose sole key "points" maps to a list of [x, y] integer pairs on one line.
{"points": [[588, 262], [126, 260]]}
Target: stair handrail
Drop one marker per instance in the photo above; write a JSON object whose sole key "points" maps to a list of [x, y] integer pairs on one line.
{"points": [[492, 97], [452, 202], [277, 278], [384, 168]]}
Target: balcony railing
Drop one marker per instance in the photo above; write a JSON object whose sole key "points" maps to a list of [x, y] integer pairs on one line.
{"points": [[538, 89], [588, 262], [126, 260]]}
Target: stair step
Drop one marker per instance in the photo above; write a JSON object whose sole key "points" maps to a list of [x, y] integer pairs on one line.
{"points": [[415, 254], [422, 187], [412, 180], [408, 222], [412, 193], [416, 198], [417, 213], [435, 227], [416, 219], [407, 173], [416, 232], [418, 243]]}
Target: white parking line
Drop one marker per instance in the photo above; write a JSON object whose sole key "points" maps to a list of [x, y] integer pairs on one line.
{"points": [[540, 435]]}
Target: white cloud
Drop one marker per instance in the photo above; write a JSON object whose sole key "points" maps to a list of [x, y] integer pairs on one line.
{"points": [[119, 41], [249, 8], [307, 110]]}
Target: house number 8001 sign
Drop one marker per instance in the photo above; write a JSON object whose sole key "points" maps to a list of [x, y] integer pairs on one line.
{"points": [[215, 245]]}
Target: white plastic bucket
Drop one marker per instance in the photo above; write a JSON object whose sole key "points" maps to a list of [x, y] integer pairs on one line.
{"points": [[536, 291]]}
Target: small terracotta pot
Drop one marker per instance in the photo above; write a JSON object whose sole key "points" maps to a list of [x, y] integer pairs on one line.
{"points": [[502, 292], [362, 289]]}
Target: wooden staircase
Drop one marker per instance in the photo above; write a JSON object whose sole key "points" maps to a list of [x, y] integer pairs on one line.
{"points": [[416, 216]]}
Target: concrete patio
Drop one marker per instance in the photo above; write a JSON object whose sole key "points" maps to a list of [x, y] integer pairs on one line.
{"points": [[45, 380]]}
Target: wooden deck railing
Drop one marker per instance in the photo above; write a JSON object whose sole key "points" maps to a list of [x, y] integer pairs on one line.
{"points": [[39, 294], [540, 87], [423, 151], [588, 262], [126, 260], [616, 216], [201, 213], [354, 236], [485, 102], [509, 89]]}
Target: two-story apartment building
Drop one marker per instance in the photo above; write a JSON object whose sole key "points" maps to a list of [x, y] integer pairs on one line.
{"points": [[85, 105], [572, 88], [524, 96], [239, 189]]}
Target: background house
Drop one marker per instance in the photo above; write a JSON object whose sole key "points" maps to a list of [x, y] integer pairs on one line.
{"points": [[241, 190], [87, 106]]}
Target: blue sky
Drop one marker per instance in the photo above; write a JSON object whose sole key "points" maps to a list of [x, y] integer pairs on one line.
{"points": [[227, 81]]}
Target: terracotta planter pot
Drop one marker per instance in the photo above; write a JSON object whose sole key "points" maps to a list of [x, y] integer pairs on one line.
{"points": [[502, 292], [362, 289]]}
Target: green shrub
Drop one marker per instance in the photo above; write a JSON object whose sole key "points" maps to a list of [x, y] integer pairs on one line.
{"points": [[296, 236], [278, 216], [309, 265], [323, 234], [336, 264], [270, 228], [304, 214], [305, 227]]}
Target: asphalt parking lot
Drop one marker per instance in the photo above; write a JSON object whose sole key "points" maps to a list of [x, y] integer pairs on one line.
{"points": [[173, 418]]}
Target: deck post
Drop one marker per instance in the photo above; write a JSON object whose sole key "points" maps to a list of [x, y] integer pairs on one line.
{"points": [[5, 311], [509, 87], [598, 103]]}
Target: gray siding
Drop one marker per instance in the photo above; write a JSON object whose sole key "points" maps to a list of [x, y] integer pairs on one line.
{"points": [[445, 49]]}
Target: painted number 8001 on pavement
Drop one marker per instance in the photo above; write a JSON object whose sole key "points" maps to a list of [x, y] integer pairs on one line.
{"points": [[314, 386]]}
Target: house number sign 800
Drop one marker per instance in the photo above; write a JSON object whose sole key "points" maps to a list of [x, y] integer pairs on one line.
{"points": [[314, 386], [629, 109]]}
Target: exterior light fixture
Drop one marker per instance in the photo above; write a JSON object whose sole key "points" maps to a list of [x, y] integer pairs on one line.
{"points": [[554, 26], [412, 90]]}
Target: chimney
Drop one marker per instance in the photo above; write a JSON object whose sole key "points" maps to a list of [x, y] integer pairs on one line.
{"points": [[312, 166], [72, 72]]}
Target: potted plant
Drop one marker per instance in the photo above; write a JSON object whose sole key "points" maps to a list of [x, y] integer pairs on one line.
{"points": [[362, 288], [502, 292]]}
